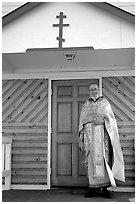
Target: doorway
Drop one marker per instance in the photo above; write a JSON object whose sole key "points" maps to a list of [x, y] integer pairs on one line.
{"points": [[67, 100]]}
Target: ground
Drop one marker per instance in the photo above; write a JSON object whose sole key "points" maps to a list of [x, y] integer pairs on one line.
{"points": [[62, 195]]}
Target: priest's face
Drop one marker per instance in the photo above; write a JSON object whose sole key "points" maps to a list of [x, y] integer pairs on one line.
{"points": [[93, 91]]}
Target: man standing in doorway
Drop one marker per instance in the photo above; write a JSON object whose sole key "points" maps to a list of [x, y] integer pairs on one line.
{"points": [[99, 142]]}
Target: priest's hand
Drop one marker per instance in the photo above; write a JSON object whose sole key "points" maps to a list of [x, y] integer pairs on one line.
{"points": [[81, 147], [98, 121]]}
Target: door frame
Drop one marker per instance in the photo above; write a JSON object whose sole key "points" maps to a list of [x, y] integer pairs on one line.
{"points": [[50, 116]]}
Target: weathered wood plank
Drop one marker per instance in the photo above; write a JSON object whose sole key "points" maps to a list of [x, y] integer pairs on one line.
{"points": [[119, 95], [28, 93], [129, 159], [126, 130], [44, 119], [8, 85], [29, 180], [4, 84], [27, 90], [132, 78], [28, 151], [30, 106], [24, 104], [30, 165], [126, 123], [122, 88], [127, 137], [130, 81], [32, 124], [7, 96], [43, 113], [40, 111], [127, 183], [31, 144], [127, 144], [25, 130], [127, 84], [31, 138], [124, 111], [129, 167], [32, 97], [118, 113], [10, 95], [30, 158], [128, 152], [130, 173], [29, 172], [117, 86]]}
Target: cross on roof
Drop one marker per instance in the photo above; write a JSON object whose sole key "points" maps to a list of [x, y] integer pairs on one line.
{"points": [[60, 25]]}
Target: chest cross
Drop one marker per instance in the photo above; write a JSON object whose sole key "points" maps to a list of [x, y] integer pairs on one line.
{"points": [[60, 25]]}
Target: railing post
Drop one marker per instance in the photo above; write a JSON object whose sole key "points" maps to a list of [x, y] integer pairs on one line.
{"points": [[6, 162]]}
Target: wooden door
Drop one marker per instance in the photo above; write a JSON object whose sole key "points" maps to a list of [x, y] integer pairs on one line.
{"points": [[67, 100]]}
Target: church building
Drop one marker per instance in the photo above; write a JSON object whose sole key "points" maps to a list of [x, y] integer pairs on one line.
{"points": [[51, 53]]}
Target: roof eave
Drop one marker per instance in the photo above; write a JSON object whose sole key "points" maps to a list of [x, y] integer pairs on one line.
{"points": [[19, 11], [115, 11], [106, 6]]}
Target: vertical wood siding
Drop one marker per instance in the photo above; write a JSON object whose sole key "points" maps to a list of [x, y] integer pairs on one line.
{"points": [[25, 119], [120, 91]]}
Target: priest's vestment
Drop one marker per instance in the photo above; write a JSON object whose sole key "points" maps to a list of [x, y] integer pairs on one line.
{"points": [[99, 141]]}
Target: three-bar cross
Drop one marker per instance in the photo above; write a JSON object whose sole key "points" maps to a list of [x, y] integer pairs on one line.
{"points": [[60, 25]]}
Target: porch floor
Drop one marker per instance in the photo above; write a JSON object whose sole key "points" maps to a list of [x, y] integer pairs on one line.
{"points": [[62, 195]]}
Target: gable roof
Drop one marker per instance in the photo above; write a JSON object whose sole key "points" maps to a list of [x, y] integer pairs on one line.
{"points": [[102, 5], [7, 7]]}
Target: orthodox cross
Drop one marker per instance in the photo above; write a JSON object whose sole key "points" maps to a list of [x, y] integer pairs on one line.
{"points": [[60, 25]]}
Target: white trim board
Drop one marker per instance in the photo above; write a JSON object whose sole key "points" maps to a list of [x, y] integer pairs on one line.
{"points": [[49, 134], [68, 75], [30, 187], [122, 189]]}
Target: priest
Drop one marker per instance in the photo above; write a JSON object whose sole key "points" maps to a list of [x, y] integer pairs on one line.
{"points": [[99, 143]]}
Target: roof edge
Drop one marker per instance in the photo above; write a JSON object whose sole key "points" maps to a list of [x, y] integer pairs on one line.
{"points": [[19, 11], [59, 49], [115, 11], [102, 5], [65, 49]]}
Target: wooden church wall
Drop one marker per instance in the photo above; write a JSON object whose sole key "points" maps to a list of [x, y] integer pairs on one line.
{"points": [[25, 119], [120, 91]]}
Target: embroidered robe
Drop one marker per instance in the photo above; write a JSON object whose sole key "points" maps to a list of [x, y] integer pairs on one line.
{"points": [[99, 140]]}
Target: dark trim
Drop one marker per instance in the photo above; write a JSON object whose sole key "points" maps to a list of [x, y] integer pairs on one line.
{"points": [[105, 6], [59, 49], [115, 11], [19, 11]]}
